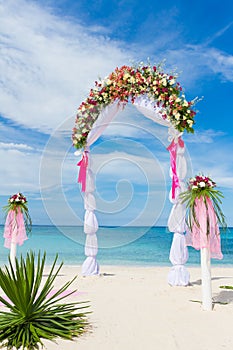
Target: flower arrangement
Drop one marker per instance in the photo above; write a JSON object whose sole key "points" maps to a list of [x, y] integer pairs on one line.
{"points": [[203, 187], [125, 84], [18, 202]]}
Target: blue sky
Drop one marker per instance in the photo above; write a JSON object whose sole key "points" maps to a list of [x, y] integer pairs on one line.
{"points": [[51, 54]]}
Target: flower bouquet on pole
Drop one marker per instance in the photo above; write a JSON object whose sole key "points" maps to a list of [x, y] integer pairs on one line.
{"points": [[204, 216], [18, 223]]}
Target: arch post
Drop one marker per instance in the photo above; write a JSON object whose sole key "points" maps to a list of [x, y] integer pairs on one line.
{"points": [[178, 275], [90, 265]]}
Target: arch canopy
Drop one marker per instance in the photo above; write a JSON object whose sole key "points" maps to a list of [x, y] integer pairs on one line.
{"points": [[156, 94]]}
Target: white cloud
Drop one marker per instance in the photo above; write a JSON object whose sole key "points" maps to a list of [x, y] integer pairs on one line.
{"points": [[20, 171], [48, 64], [137, 168], [15, 146], [221, 63], [207, 136]]}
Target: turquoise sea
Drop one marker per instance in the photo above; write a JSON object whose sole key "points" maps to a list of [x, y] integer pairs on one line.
{"points": [[135, 246]]}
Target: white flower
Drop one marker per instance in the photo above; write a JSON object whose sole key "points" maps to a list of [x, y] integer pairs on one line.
{"points": [[178, 99], [164, 82], [126, 76], [190, 122], [202, 184], [177, 116], [78, 136], [172, 81], [185, 104], [194, 187]]}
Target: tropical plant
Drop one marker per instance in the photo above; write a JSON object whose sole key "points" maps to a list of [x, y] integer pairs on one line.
{"points": [[33, 314]]}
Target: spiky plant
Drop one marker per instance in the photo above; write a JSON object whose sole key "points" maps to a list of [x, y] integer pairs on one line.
{"points": [[34, 315]]}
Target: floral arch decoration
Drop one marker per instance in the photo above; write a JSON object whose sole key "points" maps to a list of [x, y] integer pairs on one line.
{"points": [[159, 97]]}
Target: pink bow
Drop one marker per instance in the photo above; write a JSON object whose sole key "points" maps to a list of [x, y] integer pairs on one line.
{"points": [[83, 164], [172, 148]]}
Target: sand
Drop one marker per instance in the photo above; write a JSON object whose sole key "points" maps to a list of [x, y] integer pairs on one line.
{"points": [[133, 308]]}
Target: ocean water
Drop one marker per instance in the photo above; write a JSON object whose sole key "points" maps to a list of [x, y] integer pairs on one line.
{"points": [[135, 246]]}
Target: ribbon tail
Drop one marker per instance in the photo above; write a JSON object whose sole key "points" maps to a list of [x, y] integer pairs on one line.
{"points": [[172, 148], [83, 164], [205, 230]]}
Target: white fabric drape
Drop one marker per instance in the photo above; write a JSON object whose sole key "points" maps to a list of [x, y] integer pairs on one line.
{"points": [[178, 253], [90, 265], [178, 275], [104, 119], [149, 109]]}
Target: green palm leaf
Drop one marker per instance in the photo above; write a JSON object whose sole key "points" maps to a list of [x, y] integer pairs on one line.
{"points": [[32, 314]]}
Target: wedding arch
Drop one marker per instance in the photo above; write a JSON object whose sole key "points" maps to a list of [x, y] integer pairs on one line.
{"points": [[158, 96]]}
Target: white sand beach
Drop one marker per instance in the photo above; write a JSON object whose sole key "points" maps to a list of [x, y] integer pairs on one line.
{"points": [[133, 308]]}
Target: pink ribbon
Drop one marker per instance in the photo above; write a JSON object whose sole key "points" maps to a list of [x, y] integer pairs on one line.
{"points": [[172, 148], [198, 237], [14, 230], [83, 164]]}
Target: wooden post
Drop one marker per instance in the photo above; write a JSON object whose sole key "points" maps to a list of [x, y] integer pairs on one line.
{"points": [[206, 280]]}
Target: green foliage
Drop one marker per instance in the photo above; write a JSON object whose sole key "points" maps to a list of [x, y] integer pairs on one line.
{"points": [[32, 313], [226, 287]]}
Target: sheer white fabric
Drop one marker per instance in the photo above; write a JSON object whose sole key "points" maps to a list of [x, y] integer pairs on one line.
{"points": [[178, 253], [178, 275], [89, 201], [90, 222], [91, 247], [104, 119], [148, 108], [90, 265]]}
